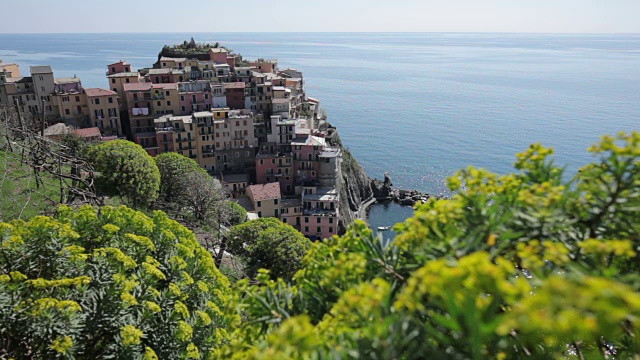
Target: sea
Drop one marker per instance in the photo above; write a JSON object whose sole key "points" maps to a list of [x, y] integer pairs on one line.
{"points": [[418, 106]]}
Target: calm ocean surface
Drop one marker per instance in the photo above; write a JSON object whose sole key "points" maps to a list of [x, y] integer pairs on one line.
{"points": [[418, 106]]}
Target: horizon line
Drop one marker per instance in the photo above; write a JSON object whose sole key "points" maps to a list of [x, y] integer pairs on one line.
{"points": [[324, 32]]}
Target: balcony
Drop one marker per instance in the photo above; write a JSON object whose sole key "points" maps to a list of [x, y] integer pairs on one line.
{"points": [[184, 139]]}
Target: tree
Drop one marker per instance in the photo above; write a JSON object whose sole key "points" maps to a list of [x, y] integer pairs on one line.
{"points": [[173, 167], [201, 196], [125, 169], [268, 243], [527, 265], [236, 214], [109, 284]]}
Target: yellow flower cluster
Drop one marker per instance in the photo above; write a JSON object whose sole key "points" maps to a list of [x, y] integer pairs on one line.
{"points": [[62, 344], [185, 331], [43, 283], [182, 309], [131, 335], [125, 260], [141, 240]]}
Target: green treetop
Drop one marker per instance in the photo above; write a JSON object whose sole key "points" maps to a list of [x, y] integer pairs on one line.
{"points": [[126, 170]]}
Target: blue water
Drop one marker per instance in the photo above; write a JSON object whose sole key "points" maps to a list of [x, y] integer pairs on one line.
{"points": [[419, 106]]}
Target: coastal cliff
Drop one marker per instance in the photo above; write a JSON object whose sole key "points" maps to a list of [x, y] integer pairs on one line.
{"points": [[354, 187]]}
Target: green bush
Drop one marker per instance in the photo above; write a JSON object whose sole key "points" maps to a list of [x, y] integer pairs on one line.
{"points": [[108, 284], [125, 169], [268, 243], [520, 266], [173, 167]]}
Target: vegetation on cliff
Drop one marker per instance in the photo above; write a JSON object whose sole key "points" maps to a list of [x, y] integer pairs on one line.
{"points": [[189, 49]]}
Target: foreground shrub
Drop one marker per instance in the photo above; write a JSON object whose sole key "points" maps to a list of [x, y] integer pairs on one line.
{"points": [[113, 284], [527, 265]]}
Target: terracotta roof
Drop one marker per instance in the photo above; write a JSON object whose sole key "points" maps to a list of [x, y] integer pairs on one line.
{"points": [[265, 191], [93, 92], [88, 132], [234, 85]]}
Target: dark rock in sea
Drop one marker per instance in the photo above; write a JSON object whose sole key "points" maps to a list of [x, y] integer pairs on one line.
{"points": [[383, 189]]}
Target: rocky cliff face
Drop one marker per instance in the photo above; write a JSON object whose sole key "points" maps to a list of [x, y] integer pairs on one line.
{"points": [[355, 187]]}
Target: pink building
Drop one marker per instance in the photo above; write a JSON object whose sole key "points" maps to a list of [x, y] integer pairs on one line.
{"points": [[276, 168], [306, 156], [218, 55], [195, 96], [119, 67]]}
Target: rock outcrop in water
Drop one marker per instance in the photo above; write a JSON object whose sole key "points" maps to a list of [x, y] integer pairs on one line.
{"points": [[383, 189]]}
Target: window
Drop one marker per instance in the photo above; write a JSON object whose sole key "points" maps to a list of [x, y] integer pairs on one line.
{"points": [[110, 100], [159, 103], [113, 81], [66, 111], [261, 162], [181, 97], [318, 220], [306, 220], [97, 100], [113, 69], [168, 103], [206, 96], [331, 229], [330, 220], [126, 80], [284, 220], [306, 229], [275, 202], [183, 108], [115, 90], [319, 229], [259, 203], [43, 89]]}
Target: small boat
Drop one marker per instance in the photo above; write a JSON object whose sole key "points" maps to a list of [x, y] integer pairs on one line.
{"points": [[384, 228]]}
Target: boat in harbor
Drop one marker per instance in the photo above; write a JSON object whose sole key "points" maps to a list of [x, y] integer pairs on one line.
{"points": [[384, 228]]}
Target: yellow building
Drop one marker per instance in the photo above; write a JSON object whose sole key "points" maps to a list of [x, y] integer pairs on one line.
{"points": [[103, 111]]}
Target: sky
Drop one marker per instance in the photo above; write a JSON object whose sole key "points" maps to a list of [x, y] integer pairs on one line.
{"points": [[528, 16]]}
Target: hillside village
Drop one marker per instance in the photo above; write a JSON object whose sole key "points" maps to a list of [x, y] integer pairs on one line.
{"points": [[248, 123]]}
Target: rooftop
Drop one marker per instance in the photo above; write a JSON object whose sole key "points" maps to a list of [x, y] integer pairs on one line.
{"points": [[265, 191], [93, 92], [67, 80], [123, 74], [88, 132], [41, 69], [311, 140], [234, 85], [323, 194], [202, 114], [123, 62], [166, 58]]}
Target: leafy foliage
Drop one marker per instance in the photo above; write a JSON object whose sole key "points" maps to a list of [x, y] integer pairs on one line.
{"points": [[268, 243], [126, 170], [173, 167], [113, 284], [524, 265], [236, 213]]}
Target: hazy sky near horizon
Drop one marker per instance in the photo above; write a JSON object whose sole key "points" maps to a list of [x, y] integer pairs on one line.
{"points": [[538, 16]]}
